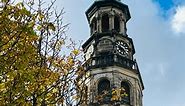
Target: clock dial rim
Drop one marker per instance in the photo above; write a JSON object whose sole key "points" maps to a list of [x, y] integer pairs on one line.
{"points": [[122, 48]]}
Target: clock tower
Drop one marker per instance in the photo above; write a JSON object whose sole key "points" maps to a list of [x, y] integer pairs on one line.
{"points": [[115, 78]]}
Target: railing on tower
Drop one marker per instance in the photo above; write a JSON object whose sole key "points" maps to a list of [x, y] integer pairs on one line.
{"points": [[110, 60]]}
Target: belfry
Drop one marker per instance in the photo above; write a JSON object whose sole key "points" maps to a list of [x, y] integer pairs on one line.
{"points": [[115, 78]]}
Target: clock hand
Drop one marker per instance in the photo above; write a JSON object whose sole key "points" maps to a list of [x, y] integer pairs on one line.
{"points": [[123, 48]]}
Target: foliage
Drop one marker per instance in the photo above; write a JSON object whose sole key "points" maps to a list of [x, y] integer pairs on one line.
{"points": [[113, 96], [34, 70]]}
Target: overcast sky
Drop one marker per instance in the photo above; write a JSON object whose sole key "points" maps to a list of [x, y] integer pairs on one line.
{"points": [[157, 28]]}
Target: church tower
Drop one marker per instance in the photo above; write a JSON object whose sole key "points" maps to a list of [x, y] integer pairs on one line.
{"points": [[115, 78]]}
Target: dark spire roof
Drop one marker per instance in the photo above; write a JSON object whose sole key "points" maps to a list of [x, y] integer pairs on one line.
{"points": [[103, 3]]}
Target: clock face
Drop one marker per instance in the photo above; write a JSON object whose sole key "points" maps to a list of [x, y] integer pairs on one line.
{"points": [[122, 48]]}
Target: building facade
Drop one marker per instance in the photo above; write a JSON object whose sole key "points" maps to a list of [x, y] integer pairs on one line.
{"points": [[115, 78]]}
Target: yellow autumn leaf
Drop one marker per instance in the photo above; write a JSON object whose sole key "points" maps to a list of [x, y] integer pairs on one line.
{"points": [[70, 60], [114, 92], [75, 52], [55, 90], [65, 72], [2, 86], [51, 26], [41, 16], [75, 97], [124, 94], [114, 97]]}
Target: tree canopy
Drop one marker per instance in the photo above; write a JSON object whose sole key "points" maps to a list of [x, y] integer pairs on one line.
{"points": [[34, 66]]}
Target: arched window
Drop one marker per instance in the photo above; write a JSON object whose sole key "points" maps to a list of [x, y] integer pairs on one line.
{"points": [[125, 93], [103, 85], [94, 25], [117, 23], [105, 23]]}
